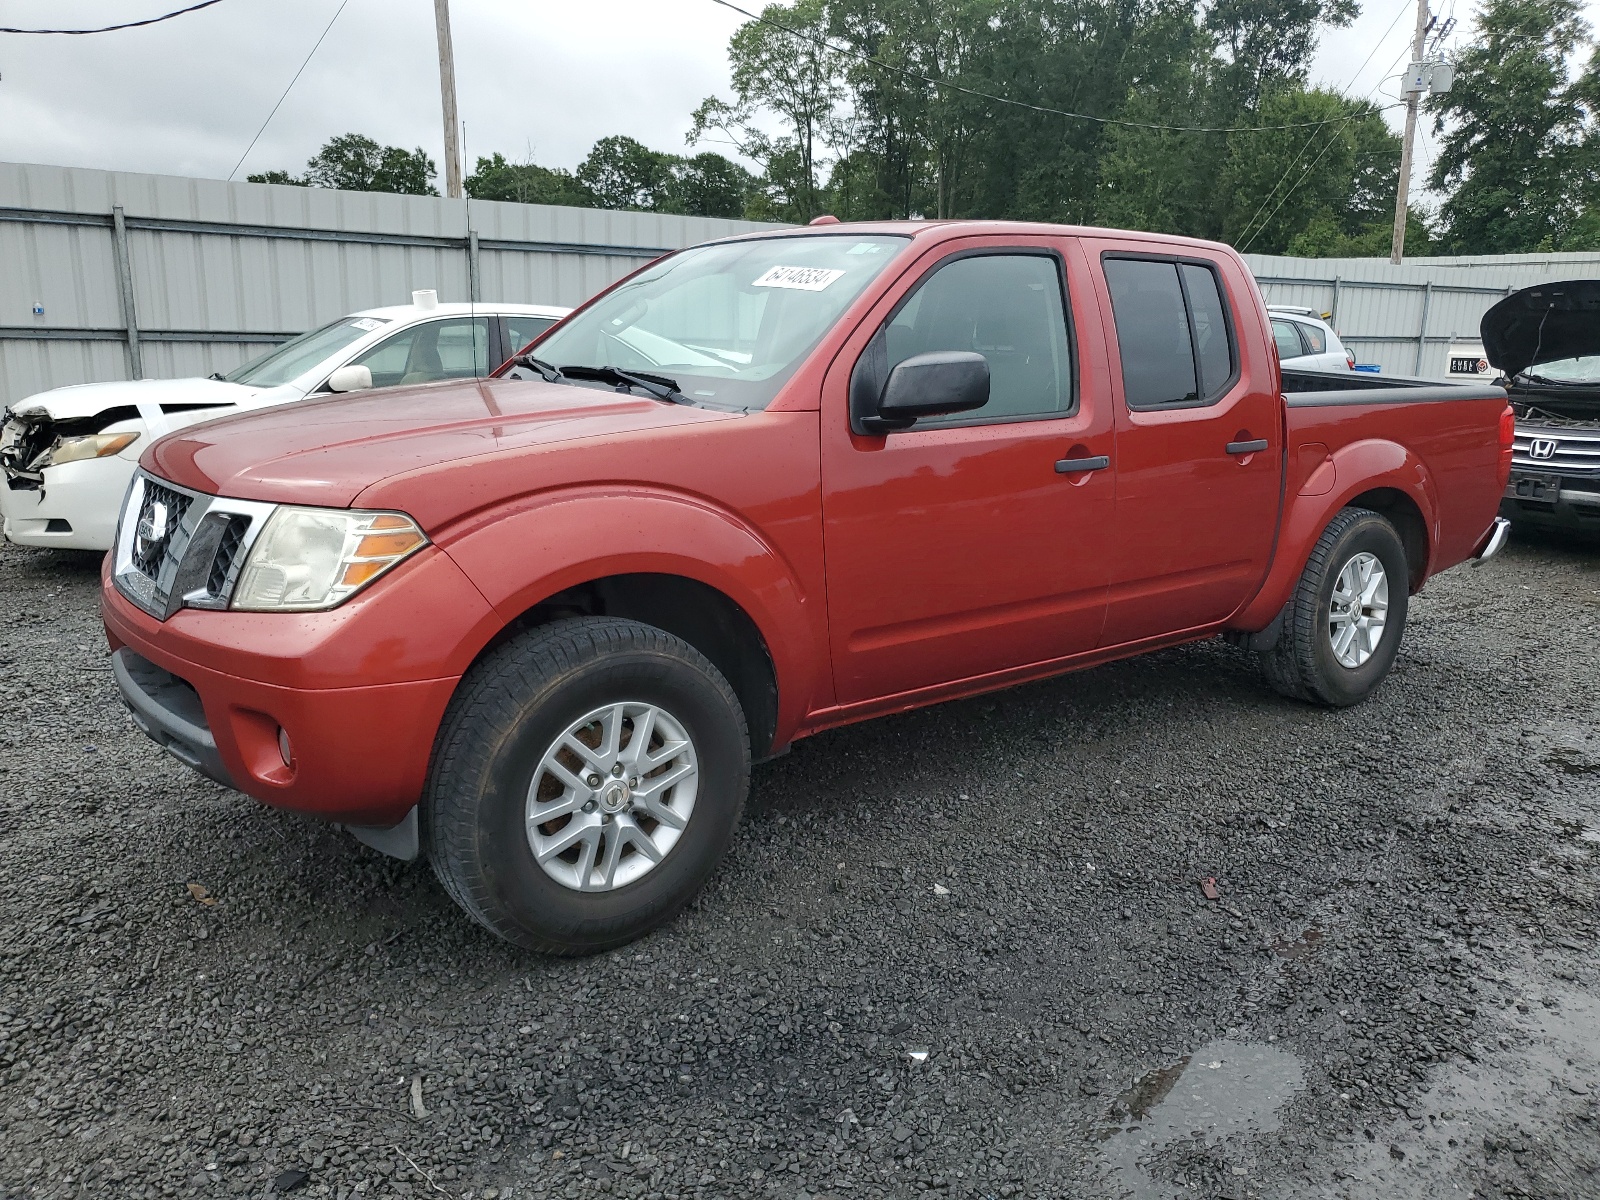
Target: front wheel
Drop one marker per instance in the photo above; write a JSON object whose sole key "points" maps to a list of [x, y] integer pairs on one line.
{"points": [[1341, 629], [587, 779]]}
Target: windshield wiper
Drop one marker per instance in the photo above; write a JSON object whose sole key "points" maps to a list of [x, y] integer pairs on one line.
{"points": [[551, 373], [659, 386]]}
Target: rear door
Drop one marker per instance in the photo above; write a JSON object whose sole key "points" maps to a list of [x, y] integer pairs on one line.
{"points": [[976, 543], [1199, 443]]}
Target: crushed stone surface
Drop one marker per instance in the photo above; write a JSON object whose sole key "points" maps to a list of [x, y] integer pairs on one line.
{"points": [[958, 954]]}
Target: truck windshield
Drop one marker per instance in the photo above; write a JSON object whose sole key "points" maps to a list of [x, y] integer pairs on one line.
{"points": [[294, 358], [1567, 370], [729, 322]]}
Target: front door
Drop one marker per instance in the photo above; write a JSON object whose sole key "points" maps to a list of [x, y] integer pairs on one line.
{"points": [[973, 543], [1199, 442]]}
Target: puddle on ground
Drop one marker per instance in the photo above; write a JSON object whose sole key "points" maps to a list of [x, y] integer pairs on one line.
{"points": [[1528, 1095], [1224, 1089]]}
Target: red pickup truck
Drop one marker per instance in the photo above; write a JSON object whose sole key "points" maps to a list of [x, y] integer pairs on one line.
{"points": [[538, 626]]}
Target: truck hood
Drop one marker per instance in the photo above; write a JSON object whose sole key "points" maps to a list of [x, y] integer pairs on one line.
{"points": [[1541, 324], [327, 452], [91, 399]]}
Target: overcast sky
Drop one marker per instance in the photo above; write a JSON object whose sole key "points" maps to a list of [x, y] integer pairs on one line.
{"points": [[185, 97]]}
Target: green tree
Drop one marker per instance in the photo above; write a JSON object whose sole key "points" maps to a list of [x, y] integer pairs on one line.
{"points": [[786, 68], [1520, 154], [282, 177], [709, 185], [497, 178], [623, 173], [353, 163]]}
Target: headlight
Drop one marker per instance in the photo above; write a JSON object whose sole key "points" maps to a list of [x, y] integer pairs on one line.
{"points": [[76, 449], [312, 558]]}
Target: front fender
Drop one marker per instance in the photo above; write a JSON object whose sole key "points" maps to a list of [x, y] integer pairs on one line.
{"points": [[1356, 468], [524, 553]]}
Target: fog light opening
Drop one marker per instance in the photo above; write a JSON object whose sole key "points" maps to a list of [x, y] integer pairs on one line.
{"points": [[284, 748]]}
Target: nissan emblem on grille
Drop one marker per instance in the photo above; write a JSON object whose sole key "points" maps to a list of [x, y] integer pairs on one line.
{"points": [[1542, 448], [153, 531]]}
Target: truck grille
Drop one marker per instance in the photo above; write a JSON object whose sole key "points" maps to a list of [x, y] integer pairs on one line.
{"points": [[181, 549], [161, 512], [222, 566]]}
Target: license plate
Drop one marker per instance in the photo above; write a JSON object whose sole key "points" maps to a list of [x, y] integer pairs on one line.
{"points": [[1466, 366], [1544, 488]]}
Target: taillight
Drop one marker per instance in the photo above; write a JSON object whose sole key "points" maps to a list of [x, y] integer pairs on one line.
{"points": [[1349, 359], [1508, 432]]}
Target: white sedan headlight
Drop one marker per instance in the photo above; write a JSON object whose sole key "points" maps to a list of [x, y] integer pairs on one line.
{"points": [[77, 449], [313, 558]]}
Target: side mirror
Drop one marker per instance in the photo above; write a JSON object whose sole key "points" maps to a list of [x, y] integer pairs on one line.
{"points": [[930, 385], [350, 379]]}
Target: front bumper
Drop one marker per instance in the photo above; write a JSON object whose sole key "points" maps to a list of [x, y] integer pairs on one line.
{"points": [[1552, 500], [75, 509], [216, 689]]}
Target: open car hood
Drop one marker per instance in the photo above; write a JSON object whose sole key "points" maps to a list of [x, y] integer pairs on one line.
{"points": [[1540, 324]]}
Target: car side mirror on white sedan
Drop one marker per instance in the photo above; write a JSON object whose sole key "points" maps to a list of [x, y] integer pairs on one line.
{"points": [[350, 379]]}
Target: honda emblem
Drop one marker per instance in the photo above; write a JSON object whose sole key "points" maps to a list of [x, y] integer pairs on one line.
{"points": [[1542, 448]]}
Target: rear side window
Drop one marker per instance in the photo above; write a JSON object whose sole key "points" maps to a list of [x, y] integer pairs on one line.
{"points": [[1172, 331], [1287, 339], [1314, 338], [522, 329]]}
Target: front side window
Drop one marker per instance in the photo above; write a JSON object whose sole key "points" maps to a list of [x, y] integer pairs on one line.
{"points": [[1172, 332], [294, 358], [1006, 307], [728, 322], [455, 348]]}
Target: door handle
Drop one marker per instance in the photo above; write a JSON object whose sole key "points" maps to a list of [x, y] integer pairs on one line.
{"points": [[1247, 447], [1069, 466]]}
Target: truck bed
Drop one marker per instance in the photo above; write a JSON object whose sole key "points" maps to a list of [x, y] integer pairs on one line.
{"points": [[1319, 389]]}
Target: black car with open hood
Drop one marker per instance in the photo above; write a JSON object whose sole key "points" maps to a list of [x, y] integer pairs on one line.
{"points": [[1545, 341]]}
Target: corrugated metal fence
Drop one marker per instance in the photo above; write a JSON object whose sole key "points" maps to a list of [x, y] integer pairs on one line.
{"points": [[1403, 318], [106, 275]]}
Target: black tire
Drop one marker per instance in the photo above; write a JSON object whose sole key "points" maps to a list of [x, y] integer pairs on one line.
{"points": [[509, 710], [1302, 664]]}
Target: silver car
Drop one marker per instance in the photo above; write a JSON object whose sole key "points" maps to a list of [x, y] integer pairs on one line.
{"points": [[1307, 342]]}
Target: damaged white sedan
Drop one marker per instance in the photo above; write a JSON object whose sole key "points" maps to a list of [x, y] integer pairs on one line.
{"points": [[66, 455]]}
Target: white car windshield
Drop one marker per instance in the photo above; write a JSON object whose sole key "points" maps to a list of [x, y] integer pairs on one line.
{"points": [[1568, 370], [294, 358], [729, 322]]}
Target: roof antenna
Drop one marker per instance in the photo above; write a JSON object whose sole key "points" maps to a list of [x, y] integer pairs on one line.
{"points": [[472, 273]]}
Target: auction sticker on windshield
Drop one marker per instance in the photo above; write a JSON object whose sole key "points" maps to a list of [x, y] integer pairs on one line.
{"points": [[799, 279]]}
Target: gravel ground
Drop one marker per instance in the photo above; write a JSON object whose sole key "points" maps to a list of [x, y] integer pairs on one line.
{"points": [[961, 953]]}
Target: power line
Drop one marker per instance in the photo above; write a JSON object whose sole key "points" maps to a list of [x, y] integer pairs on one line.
{"points": [[1038, 108], [286, 91], [1375, 46], [125, 25], [1267, 199], [1309, 168]]}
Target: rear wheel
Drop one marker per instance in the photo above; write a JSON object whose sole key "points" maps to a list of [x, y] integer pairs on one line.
{"points": [[1341, 629], [588, 778]]}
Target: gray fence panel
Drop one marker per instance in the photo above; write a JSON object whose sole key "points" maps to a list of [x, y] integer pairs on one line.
{"points": [[1404, 317], [220, 271]]}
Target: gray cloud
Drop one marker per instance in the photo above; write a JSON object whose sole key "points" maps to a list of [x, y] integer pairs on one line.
{"points": [[185, 97]]}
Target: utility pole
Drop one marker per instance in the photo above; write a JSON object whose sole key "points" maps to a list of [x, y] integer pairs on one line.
{"points": [[447, 94], [1397, 247]]}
